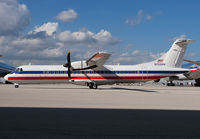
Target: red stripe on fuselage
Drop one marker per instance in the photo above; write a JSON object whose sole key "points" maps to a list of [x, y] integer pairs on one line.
{"points": [[192, 70], [85, 78]]}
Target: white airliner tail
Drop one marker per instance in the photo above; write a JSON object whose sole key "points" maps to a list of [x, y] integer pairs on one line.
{"points": [[174, 57]]}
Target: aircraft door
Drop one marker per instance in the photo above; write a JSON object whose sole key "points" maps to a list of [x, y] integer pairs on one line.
{"points": [[144, 73]]}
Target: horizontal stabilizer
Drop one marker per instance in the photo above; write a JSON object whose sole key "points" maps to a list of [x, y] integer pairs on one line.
{"points": [[193, 62], [183, 42]]}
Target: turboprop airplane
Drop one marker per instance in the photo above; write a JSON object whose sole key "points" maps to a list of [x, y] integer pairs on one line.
{"points": [[5, 69], [93, 72], [193, 74]]}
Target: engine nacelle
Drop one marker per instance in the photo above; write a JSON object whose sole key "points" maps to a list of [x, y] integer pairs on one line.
{"points": [[79, 64]]}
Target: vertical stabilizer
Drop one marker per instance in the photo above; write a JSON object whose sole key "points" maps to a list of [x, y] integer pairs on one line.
{"points": [[174, 57]]}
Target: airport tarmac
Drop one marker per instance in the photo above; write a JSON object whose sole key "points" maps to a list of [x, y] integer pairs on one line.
{"points": [[108, 96], [112, 111]]}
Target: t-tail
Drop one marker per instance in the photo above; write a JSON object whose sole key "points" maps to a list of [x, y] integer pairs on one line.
{"points": [[174, 57]]}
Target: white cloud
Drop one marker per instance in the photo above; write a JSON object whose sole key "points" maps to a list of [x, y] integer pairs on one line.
{"points": [[14, 17], [139, 18], [134, 57], [25, 43], [67, 16], [105, 37], [136, 52], [51, 48], [86, 37], [55, 52], [49, 28], [75, 37]]}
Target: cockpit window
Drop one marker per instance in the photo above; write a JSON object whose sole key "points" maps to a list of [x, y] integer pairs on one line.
{"points": [[19, 69]]}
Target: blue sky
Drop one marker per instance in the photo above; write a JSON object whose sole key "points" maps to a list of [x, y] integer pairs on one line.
{"points": [[171, 18], [145, 26]]}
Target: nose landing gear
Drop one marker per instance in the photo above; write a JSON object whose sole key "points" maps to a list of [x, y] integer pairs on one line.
{"points": [[16, 85]]}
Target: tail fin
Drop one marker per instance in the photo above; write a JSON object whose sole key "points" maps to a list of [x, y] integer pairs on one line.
{"points": [[174, 57]]}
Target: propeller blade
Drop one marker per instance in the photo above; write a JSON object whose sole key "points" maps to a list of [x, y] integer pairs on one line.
{"points": [[68, 59], [69, 73], [69, 64]]}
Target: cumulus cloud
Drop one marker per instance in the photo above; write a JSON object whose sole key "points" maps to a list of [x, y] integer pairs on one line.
{"points": [[135, 57], [51, 48], [67, 16], [139, 18], [14, 17], [86, 37], [48, 28]]}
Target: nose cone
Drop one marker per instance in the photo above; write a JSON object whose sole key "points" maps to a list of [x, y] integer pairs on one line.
{"points": [[6, 77]]}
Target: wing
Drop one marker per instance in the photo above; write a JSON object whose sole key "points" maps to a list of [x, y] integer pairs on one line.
{"points": [[193, 62], [98, 59]]}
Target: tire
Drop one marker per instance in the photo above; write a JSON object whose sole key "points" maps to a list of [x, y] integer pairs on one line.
{"points": [[16, 86], [93, 86], [170, 84], [197, 85]]}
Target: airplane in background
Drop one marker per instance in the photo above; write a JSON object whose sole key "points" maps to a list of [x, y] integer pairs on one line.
{"points": [[193, 74], [5, 69], [93, 72]]}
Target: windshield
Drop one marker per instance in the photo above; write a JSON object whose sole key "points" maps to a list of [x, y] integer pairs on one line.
{"points": [[19, 70]]}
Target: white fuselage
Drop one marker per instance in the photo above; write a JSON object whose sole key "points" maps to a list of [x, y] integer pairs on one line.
{"points": [[108, 74]]}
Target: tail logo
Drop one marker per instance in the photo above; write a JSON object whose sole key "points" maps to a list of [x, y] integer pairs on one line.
{"points": [[160, 60]]}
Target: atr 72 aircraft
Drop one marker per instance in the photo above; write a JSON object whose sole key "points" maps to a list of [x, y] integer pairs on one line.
{"points": [[5, 69], [93, 72], [193, 74]]}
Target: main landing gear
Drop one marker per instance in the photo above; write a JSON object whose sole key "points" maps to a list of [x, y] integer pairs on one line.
{"points": [[197, 82], [92, 85], [170, 83]]}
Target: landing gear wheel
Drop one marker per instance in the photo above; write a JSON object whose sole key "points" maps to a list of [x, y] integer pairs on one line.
{"points": [[90, 86], [93, 86], [197, 84], [16, 85], [170, 84]]}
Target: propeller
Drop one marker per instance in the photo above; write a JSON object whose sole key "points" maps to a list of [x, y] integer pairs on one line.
{"points": [[68, 64]]}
